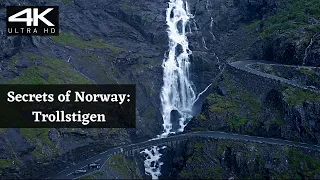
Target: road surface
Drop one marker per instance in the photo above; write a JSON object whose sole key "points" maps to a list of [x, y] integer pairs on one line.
{"points": [[241, 65], [245, 66], [103, 157]]}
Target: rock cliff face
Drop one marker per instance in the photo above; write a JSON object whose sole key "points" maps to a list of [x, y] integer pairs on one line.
{"points": [[221, 159], [99, 42], [250, 104], [203, 158], [103, 41], [282, 31]]}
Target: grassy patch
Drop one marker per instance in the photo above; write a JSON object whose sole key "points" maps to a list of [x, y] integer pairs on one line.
{"points": [[223, 104], [123, 166], [252, 102], [94, 175], [198, 146], [312, 75], [5, 163], [222, 146], [290, 19], [37, 133], [202, 117], [237, 122], [279, 122], [69, 39], [226, 80], [295, 96], [143, 63], [239, 109], [128, 5], [216, 171], [57, 71], [304, 166], [38, 137]]}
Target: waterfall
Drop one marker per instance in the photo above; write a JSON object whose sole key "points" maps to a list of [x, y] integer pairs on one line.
{"points": [[152, 163], [177, 92], [177, 95]]}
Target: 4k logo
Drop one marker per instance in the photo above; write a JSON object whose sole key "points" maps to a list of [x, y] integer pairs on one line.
{"points": [[33, 20]]}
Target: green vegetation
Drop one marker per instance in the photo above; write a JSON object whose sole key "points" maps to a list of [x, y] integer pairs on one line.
{"points": [[197, 163], [237, 122], [252, 102], [143, 63], [226, 80], [223, 104], [283, 175], [5, 163], [202, 117], [124, 166], [196, 156], [222, 146], [199, 129], [266, 68], [69, 39], [94, 175], [278, 122], [239, 109], [290, 19], [312, 75], [305, 70], [127, 5], [303, 166], [37, 133], [295, 96], [38, 137], [57, 71], [303, 75], [198, 146]]}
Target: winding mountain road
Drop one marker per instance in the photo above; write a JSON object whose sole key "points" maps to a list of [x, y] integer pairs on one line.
{"points": [[244, 66], [103, 157], [69, 173]]}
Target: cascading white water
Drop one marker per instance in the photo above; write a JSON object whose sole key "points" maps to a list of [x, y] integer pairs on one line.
{"points": [[152, 163], [177, 92]]}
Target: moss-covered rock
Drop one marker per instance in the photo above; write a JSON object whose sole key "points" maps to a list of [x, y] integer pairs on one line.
{"points": [[215, 159], [44, 70], [296, 96], [69, 39]]}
